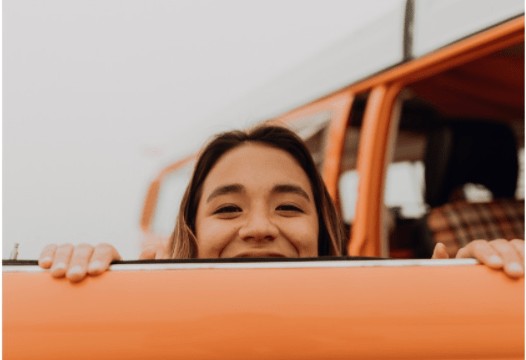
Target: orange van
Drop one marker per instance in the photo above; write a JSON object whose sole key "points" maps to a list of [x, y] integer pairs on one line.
{"points": [[436, 121]]}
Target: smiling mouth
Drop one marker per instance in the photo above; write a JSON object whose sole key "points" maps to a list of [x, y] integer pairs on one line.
{"points": [[259, 254]]}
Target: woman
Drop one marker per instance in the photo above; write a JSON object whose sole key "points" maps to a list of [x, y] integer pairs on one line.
{"points": [[257, 194]]}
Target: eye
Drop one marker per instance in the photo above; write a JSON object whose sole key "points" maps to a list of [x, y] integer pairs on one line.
{"points": [[289, 208], [228, 209]]}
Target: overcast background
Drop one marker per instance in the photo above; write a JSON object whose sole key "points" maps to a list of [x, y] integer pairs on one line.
{"points": [[99, 95]]}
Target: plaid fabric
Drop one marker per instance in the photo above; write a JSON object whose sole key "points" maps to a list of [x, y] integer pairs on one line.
{"points": [[457, 223]]}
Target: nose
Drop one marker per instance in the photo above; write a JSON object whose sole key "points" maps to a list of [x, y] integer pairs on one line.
{"points": [[258, 227]]}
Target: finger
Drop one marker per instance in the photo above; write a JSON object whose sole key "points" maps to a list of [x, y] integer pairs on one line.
{"points": [[46, 256], [519, 247], [61, 260], [101, 259], [483, 252], [513, 265], [440, 252], [149, 252], [162, 252], [78, 265]]}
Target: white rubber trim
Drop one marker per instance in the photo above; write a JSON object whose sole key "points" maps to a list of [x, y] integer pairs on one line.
{"points": [[268, 265]]}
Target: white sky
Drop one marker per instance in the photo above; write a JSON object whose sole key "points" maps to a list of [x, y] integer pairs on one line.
{"points": [[99, 95]]}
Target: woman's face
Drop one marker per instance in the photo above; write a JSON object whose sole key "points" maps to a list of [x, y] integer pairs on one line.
{"points": [[256, 202]]}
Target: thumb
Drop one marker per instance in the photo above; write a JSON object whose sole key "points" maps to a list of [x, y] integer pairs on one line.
{"points": [[440, 252], [162, 253], [148, 253]]}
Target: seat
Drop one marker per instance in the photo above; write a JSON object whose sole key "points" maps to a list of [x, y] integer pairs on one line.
{"points": [[462, 152]]}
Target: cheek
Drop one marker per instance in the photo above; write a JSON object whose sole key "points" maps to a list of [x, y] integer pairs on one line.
{"points": [[212, 237], [312, 249], [304, 235]]}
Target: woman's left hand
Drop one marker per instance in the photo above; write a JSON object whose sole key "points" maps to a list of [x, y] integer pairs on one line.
{"points": [[497, 254]]}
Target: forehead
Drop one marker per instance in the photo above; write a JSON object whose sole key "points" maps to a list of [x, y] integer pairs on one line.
{"points": [[256, 162]]}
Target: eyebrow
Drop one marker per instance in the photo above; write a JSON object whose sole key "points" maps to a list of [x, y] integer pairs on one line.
{"points": [[290, 188], [226, 189], [238, 188]]}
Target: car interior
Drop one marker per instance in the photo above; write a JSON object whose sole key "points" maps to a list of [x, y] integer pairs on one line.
{"points": [[456, 160]]}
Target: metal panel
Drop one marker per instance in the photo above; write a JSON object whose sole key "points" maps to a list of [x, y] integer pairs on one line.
{"points": [[318, 310], [364, 52], [441, 22]]}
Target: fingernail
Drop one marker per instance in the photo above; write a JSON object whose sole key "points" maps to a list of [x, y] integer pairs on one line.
{"points": [[514, 268], [495, 260], [95, 266], [75, 270], [58, 270], [45, 261], [59, 266]]}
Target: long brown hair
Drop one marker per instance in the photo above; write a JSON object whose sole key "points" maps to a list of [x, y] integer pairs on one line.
{"points": [[330, 234]]}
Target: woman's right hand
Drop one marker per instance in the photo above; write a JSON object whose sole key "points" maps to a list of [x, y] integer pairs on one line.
{"points": [[154, 247], [75, 262]]}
